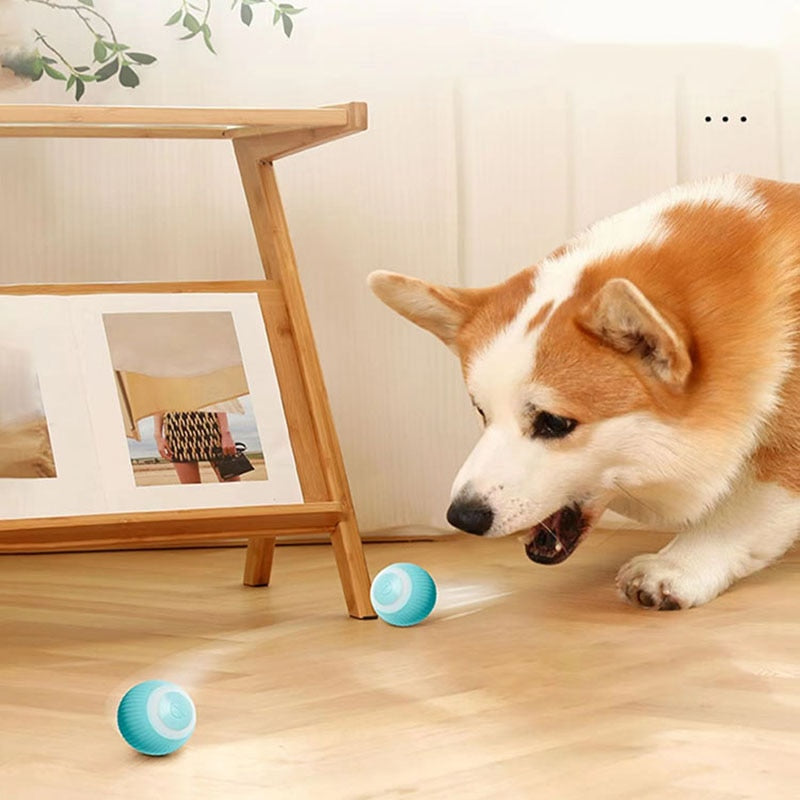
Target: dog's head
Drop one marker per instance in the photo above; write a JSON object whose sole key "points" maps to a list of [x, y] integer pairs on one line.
{"points": [[572, 378]]}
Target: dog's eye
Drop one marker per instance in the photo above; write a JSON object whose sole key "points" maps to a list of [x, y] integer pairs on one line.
{"points": [[551, 426]]}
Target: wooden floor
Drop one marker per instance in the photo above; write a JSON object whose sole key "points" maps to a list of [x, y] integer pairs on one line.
{"points": [[526, 682]]}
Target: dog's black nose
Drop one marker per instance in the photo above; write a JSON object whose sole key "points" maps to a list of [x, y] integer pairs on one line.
{"points": [[471, 516]]}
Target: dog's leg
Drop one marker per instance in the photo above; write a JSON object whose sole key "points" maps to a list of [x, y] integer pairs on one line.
{"points": [[754, 526]]}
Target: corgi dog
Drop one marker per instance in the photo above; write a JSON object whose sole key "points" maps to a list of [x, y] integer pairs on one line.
{"points": [[649, 366]]}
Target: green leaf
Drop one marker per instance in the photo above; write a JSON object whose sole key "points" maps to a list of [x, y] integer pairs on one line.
{"points": [[127, 77], [292, 10], [246, 13], [70, 82], [100, 52], [276, 17], [175, 17], [80, 88], [116, 47], [288, 25], [24, 64], [141, 58], [191, 23], [106, 71], [88, 78], [207, 36], [48, 60], [54, 73], [82, 69], [87, 2]]}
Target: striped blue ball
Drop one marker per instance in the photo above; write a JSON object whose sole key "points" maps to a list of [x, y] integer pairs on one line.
{"points": [[403, 594], [156, 717]]}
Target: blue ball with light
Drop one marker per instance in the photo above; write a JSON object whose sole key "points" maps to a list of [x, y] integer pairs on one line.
{"points": [[403, 594], [156, 717]]}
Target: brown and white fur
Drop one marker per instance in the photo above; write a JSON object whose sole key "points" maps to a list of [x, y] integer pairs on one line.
{"points": [[649, 366]]}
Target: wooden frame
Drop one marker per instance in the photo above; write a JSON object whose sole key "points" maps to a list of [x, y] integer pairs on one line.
{"points": [[259, 137]]}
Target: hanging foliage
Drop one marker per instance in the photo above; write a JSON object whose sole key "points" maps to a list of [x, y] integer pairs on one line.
{"points": [[107, 56]]}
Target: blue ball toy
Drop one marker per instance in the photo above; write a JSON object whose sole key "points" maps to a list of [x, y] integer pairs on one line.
{"points": [[403, 594], [156, 717]]}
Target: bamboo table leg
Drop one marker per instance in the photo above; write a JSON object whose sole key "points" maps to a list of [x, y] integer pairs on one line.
{"points": [[254, 158], [258, 561], [349, 551]]}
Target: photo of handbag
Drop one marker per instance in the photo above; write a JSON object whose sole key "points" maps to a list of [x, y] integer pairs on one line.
{"points": [[231, 466]]}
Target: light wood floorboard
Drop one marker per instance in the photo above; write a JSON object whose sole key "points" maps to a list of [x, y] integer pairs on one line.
{"points": [[526, 682]]}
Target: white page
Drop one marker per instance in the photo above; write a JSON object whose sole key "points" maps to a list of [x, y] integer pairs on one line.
{"points": [[122, 493], [38, 329]]}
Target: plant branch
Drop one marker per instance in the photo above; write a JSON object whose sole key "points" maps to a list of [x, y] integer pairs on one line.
{"points": [[40, 37], [78, 10], [88, 24]]}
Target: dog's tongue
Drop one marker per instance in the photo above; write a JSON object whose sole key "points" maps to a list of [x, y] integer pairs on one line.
{"points": [[554, 539]]}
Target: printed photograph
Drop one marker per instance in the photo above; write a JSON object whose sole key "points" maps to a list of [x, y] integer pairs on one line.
{"points": [[184, 398], [25, 448]]}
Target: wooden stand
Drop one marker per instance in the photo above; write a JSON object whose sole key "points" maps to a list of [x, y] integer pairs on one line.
{"points": [[259, 136]]}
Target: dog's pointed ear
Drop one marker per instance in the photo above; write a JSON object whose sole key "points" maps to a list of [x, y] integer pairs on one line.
{"points": [[621, 316], [439, 309]]}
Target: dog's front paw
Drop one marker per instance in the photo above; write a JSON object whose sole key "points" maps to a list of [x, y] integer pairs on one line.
{"points": [[660, 582]]}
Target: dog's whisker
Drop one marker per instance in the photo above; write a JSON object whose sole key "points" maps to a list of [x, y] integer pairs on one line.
{"points": [[540, 525], [547, 528], [634, 498]]}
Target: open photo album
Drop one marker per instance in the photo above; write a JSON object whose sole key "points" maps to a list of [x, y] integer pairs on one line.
{"points": [[125, 402]]}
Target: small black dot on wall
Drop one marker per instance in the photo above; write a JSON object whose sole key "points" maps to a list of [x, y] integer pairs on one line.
{"points": [[743, 119], [708, 119], [724, 119]]}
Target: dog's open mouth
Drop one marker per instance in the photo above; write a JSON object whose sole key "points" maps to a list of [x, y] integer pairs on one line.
{"points": [[554, 539]]}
